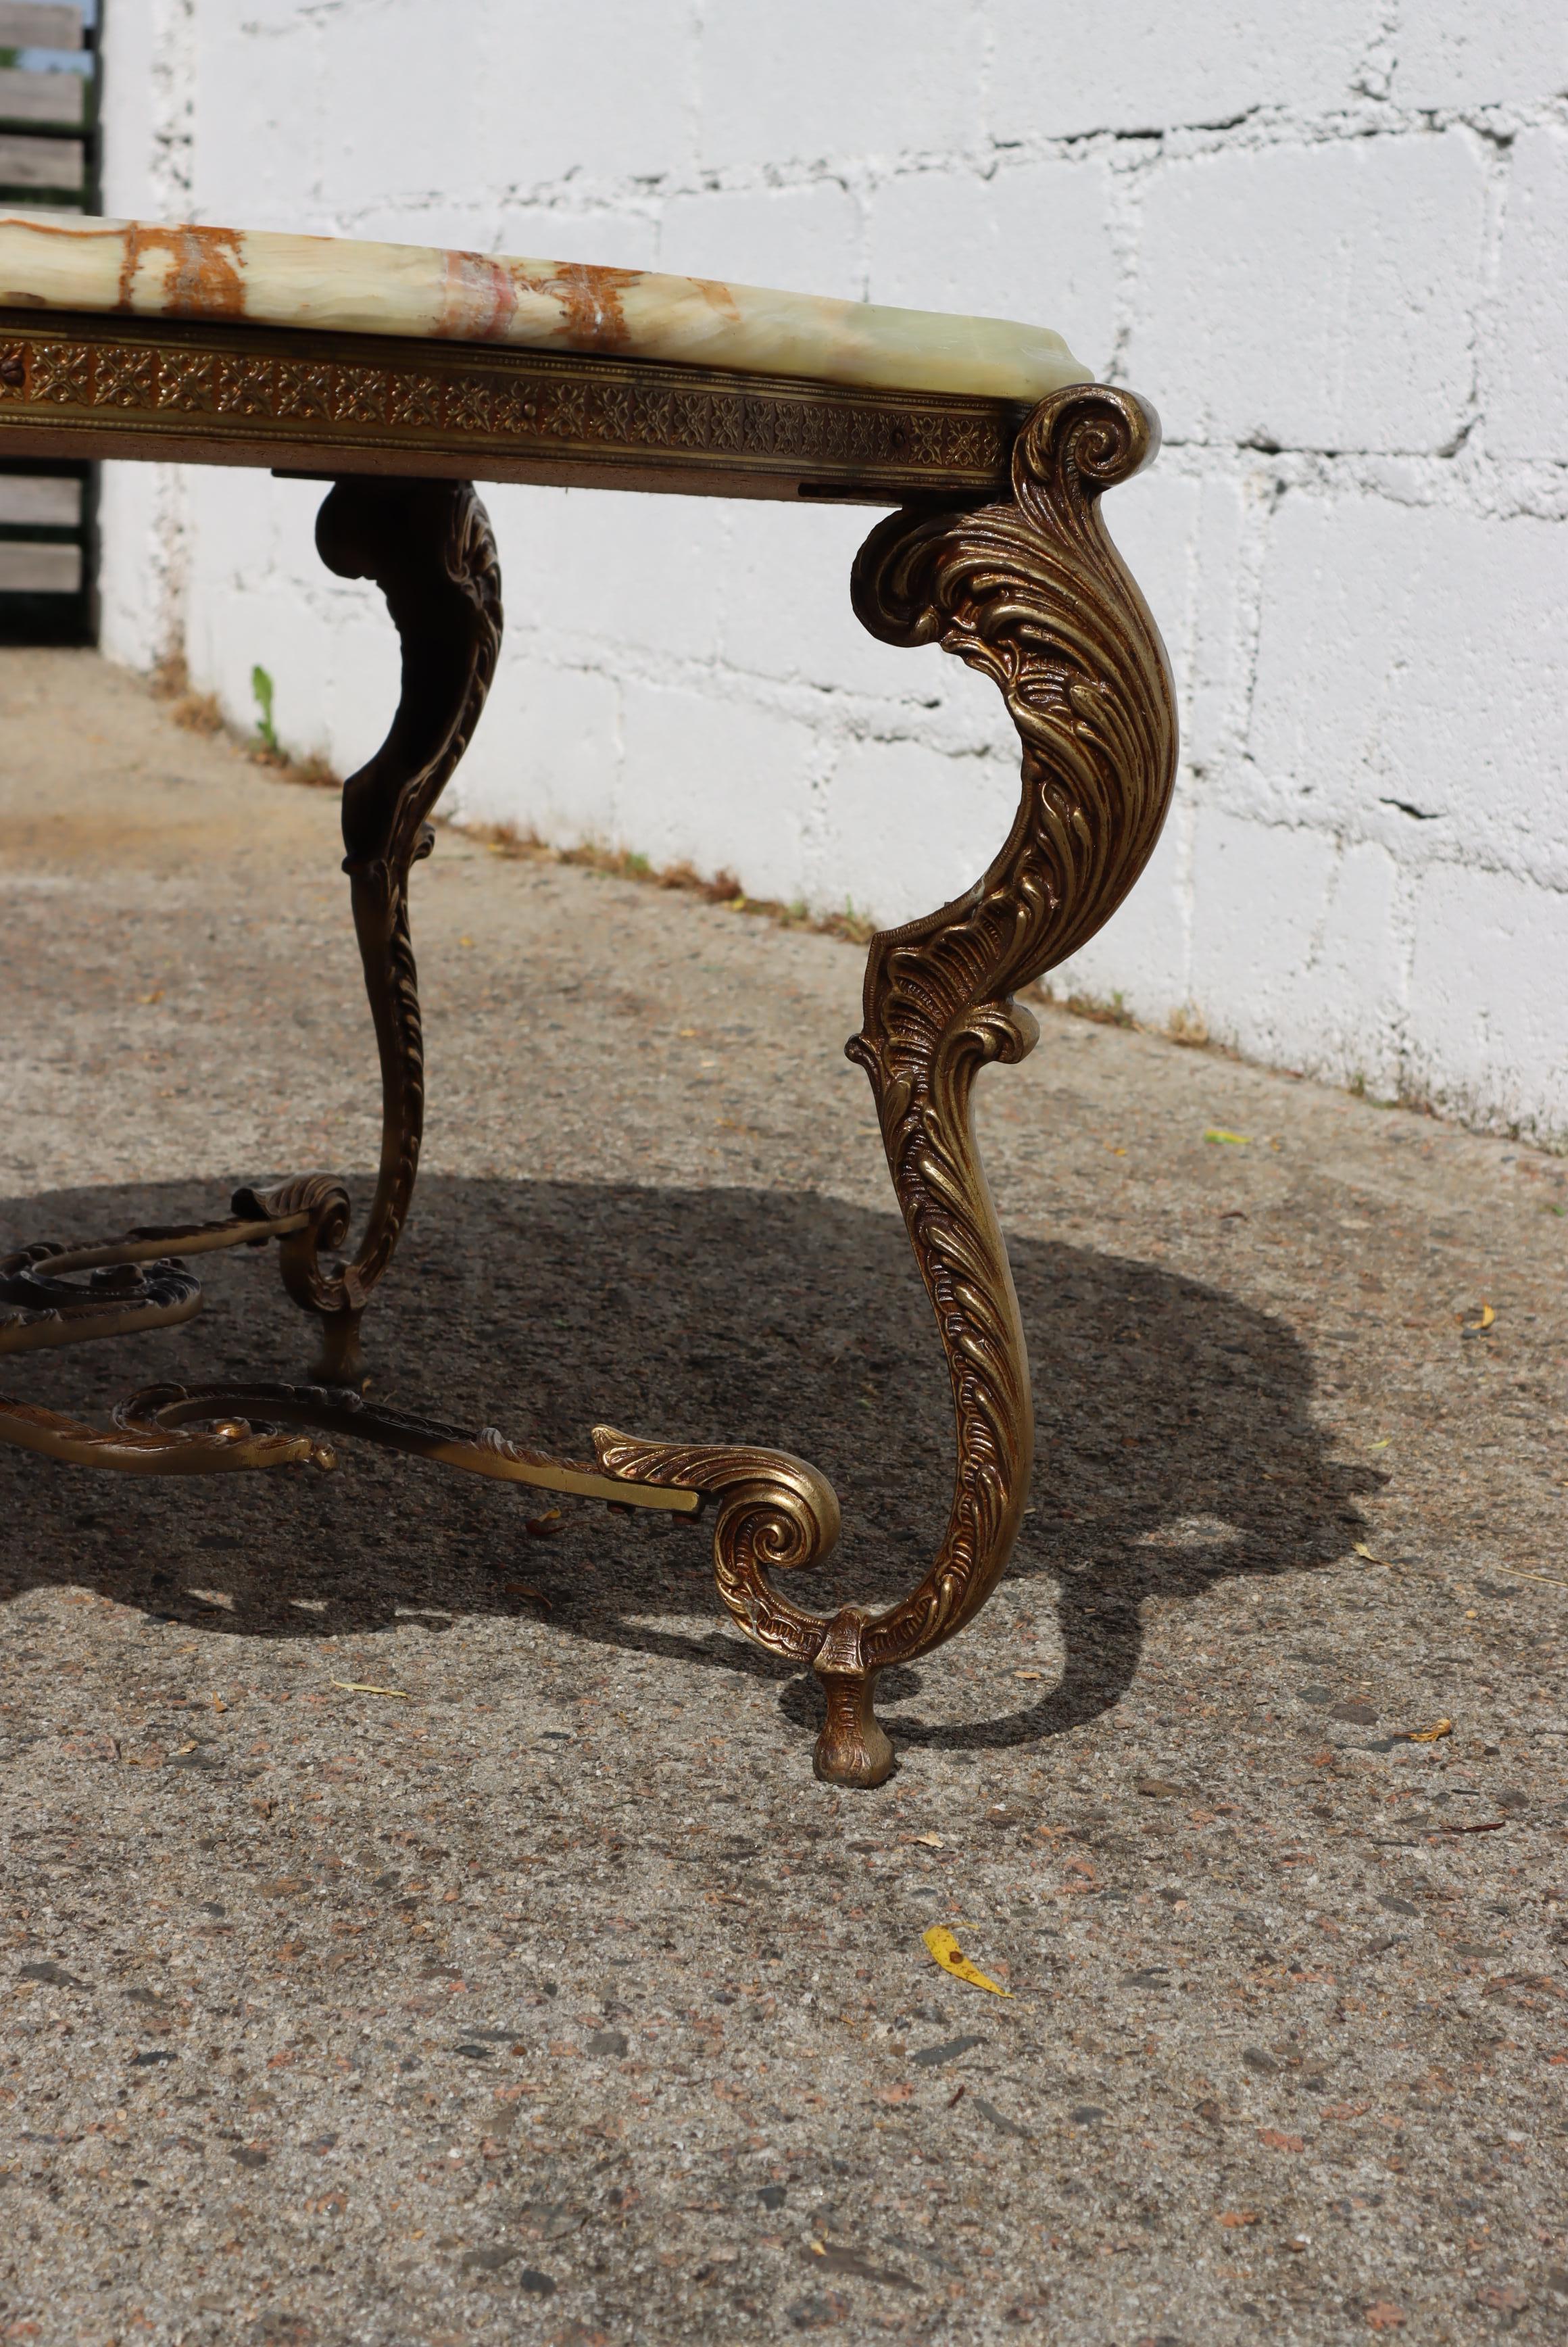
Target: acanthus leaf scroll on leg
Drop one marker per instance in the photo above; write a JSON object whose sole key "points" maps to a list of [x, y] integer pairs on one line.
{"points": [[1031, 592], [429, 546]]}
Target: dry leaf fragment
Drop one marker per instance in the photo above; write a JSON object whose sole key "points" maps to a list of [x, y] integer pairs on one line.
{"points": [[1233, 1140], [1525, 1574], [545, 1527], [358, 1687], [1156, 1789], [1432, 1735], [944, 1949], [1474, 1328], [932, 1841], [1233, 2217], [1028, 1674], [1363, 1550], [526, 1589]]}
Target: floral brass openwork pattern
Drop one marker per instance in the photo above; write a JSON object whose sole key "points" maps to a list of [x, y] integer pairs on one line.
{"points": [[1026, 588], [496, 414]]}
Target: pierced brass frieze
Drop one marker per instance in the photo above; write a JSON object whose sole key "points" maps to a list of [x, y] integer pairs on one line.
{"points": [[99, 385]]}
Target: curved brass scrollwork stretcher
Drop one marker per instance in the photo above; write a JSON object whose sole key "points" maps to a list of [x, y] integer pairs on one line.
{"points": [[1029, 590]]}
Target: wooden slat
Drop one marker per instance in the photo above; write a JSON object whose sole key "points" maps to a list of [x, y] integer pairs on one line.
{"points": [[40, 162], [29, 567], [41, 97], [38, 500], [30, 24]]}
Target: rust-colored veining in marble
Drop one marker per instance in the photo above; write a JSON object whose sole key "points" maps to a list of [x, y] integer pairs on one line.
{"points": [[718, 296], [77, 232], [592, 318], [206, 277], [478, 298]]}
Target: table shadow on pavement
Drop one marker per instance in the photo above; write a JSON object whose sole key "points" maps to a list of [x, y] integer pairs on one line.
{"points": [[1175, 1441]]}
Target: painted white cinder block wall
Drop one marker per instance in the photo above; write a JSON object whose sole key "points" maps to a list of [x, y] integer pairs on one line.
{"points": [[1331, 243]]}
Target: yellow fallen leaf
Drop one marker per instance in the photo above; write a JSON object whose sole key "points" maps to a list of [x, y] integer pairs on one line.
{"points": [[1362, 1549], [1432, 1735], [1381, 1444], [932, 1841], [1487, 1317], [358, 1687], [1235, 1140], [1028, 1674], [944, 1949]]}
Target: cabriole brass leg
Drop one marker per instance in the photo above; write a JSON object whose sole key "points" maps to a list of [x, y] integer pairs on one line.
{"points": [[1031, 592], [427, 545]]}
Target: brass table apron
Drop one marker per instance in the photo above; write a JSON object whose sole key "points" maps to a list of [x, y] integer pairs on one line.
{"points": [[998, 552], [73, 383]]}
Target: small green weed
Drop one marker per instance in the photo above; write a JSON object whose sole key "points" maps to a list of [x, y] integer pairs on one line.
{"points": [[262, 689]]}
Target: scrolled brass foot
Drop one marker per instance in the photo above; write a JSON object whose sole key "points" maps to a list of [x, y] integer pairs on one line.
{"points": [[853, 1748]]}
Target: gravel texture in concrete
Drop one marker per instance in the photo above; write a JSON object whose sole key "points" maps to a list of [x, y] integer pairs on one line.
{"points": [[419, 1929]]}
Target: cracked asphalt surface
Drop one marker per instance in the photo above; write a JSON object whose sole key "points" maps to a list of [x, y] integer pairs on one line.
{"points": [[422, 1929]]}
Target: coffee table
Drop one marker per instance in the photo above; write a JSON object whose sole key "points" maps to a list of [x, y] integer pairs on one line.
{"points": [[400, 376]]}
